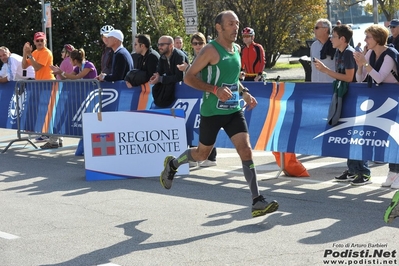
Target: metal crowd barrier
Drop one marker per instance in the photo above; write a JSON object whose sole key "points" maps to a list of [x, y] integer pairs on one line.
{"points": [[53, 107]]}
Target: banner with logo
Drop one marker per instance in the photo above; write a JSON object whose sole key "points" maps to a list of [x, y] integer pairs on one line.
{"points": [[290, 117], [132, 144]]}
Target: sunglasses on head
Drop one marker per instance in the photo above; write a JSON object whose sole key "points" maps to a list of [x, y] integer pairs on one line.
{"points": [[246, 36], [40, 40], [197, 43]]}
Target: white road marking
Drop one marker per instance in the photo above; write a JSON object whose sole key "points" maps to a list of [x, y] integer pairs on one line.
{"points": [[7, 236]]}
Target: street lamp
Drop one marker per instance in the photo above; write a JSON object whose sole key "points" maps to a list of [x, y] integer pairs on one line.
{"points": [[329, 10]]}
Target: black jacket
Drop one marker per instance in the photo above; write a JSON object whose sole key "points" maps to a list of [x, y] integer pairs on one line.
{"points": [[148, 62], [167, 67]]}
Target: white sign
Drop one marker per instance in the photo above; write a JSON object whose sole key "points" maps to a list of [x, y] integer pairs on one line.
{"points": [[132, 144], [191, 21], [191, 29], [189, 7]]}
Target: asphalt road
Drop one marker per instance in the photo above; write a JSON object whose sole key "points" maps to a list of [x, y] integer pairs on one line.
{"points": [[50, 215]]}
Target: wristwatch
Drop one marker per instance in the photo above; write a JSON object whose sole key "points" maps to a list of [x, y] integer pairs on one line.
{"points": [[30, 56], [366, 65], [245, 89]]}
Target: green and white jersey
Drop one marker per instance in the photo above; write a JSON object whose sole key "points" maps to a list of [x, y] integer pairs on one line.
{"points": [[224, 73]]}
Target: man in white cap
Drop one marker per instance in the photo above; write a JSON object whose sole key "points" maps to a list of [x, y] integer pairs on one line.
{"points": [[122, 61]]}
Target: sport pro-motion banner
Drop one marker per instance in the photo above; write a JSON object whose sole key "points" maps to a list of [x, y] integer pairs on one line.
{"points": [[290, 117]]}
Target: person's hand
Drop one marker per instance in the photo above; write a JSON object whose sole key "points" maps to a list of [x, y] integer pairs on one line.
{"points": [[154, 79], [359, 58], [101, 77], [242, 75], [223, 93], [183, 67], [258, 77], [319, 65], [56, 70], [128, 84], [27, 50], [250, 101]]}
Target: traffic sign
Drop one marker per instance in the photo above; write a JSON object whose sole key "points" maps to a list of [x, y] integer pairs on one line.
{"points": [[191, 21], [189, 8], [191, 29]]}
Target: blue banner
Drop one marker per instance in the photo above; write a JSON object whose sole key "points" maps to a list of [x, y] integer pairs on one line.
{"points": [[290, 117]]}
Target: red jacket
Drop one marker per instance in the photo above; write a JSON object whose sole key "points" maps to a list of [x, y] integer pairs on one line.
{"points": [[250, 62]]}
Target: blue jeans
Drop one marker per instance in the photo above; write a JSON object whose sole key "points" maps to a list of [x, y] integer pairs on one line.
{"points": [[358, 167], [394, 167]]}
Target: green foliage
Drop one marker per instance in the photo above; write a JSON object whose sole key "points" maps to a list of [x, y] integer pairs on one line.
{"points": [[281, 26], [387, 7]]}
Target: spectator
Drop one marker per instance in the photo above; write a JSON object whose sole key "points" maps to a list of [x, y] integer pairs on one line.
{"points": [[40, 59], [146, 62], [358, 47], [358, 172], [323, 50], [215, 71], [168, 74], [66, 64], [122, 61], [83, 69], [108, 53], [339, 22], [198, 42], [252, 56], [379, 71], [12, 67], [179, 43], [394, 39]]}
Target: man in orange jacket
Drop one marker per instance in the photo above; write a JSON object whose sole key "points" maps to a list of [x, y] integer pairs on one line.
{"points": [[252, 56]]}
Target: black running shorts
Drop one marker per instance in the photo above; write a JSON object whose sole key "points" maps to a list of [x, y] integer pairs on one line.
{"points": [[211, 125]]}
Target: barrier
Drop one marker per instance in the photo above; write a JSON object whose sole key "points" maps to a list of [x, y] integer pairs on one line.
{"points": [[52, 107], [290, 117]]}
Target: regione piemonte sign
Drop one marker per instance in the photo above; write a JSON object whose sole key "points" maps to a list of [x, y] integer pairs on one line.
{"points": [[132, 144]]}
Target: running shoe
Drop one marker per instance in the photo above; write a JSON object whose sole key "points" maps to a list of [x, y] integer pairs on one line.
{"points": [[49, 145], [261, 207], [361, 180], [345, 177], [42, 138], [168, 172], [392, 176], [393, 210]]}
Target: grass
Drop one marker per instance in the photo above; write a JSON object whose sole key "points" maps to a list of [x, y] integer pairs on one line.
{"points": [[286, 65]]}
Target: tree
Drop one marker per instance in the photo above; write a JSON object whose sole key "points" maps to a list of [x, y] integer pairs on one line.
{"points": [[387, 7], [281, 26]]}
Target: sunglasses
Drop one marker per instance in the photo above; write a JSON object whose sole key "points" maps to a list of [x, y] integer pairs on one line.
{"points": [[392, 27], [317, 27], [40, 40], [164, 43], [197, 43], [246, 36]]}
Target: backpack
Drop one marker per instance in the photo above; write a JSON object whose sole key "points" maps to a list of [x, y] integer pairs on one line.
{"points": [[163, 94]]}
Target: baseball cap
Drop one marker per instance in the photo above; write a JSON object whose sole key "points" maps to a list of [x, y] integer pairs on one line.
{"points": [[116, 34], [394, 22], [39, 35]]}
